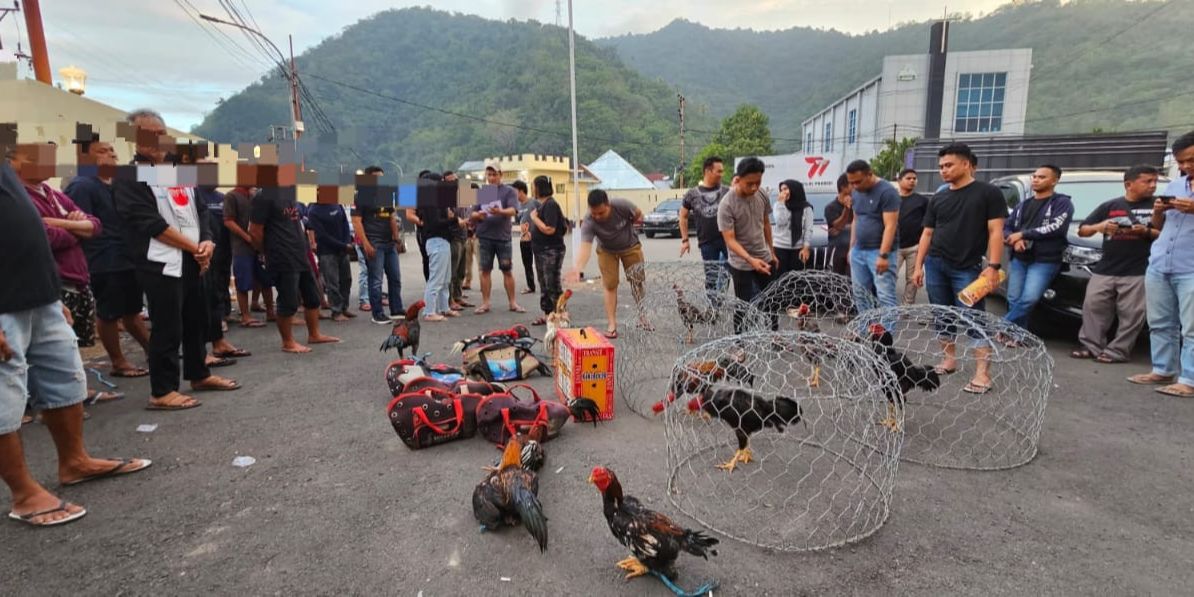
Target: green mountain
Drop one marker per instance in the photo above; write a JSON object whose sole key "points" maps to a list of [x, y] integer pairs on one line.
{"points": [[1098, 64], [461, 71]]}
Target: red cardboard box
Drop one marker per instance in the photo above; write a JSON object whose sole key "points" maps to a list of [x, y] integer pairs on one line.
{"points": [[584, 365]]}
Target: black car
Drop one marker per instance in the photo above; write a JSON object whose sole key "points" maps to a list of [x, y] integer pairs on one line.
{"points": [[1088, 190], [665, 219]]}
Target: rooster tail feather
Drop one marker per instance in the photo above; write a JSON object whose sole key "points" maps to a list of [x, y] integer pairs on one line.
{"points": [[530, 512], [926, 378], [698, 543]]}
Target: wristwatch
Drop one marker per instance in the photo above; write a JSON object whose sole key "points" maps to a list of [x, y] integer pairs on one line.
{"points": [[995, 266]]}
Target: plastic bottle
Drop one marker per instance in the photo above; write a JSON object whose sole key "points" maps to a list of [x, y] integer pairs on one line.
{"points": [[979, 289]]}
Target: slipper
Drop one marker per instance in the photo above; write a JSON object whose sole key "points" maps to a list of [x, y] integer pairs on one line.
{"points": [[611, 335], [255, 323], [975, 388], [1107, 360], [236, 352], [1171, 390], [119, 469], [528, 291], [944, 371], [466, 304], [538, 322], [184, 406], [1081, 354], [1150, 379], [26, 419], [130, 372], [222, 362], [217, 387], [102, 397], [517, 309], [28, 518], [481, 310]]}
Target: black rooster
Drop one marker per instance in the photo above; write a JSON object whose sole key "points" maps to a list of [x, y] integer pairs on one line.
{"points": [[691, 315], [510, 495], [746, 412], [584, 410], [654, 540], [908, 375]]}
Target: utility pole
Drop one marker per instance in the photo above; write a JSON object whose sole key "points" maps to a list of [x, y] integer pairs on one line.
{"points": [[37, 42], [559, 18], [682, 162], [295, 107]]}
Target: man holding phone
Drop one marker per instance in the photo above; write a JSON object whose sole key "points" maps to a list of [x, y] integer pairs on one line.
{"points": [[495, 239]]}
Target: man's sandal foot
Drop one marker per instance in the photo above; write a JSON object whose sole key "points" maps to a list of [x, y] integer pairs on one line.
{"points": [[1177, 390], [124, 466], [173, 402], [63, 506], [1151, 379], [94, 397], [129, 372]]}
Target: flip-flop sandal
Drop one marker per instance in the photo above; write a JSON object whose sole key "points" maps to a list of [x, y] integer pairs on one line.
{"points": [[131, 372], [121, 468], [518, 309], [974, 388], [538, 322], [99, 397], [184, 406], [62, 504], [1147, 379], [252, 324], [944, 371], [528, 291], [481, 310], [236, 352], [217, 387], [1106, 360], [1170, 391], [222, 362], [1081, 354], [611, 335]]}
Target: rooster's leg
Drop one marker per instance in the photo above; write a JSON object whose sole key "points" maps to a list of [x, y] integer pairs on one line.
{"points": [[891, 422], [814, 381], [743, 455], [625, 564], [633, 567]]}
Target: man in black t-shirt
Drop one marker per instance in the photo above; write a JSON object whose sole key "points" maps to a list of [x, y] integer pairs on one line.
{"points": [[1116, 286], [277, 231], [701, 202], [962, 223], [376, 228], [911, 223], [548, 228], [839, 214]]}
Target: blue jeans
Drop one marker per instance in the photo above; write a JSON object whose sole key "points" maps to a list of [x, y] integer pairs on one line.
{"points": [[45, 365], [362, 277], [862, 270], [717, 274], [1171, 324], [439, 260], [943, 283], [1026, 284], [385, 262]]}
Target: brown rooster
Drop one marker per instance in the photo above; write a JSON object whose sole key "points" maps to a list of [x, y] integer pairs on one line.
{"points": [[557, 320], [510, 495], [406, 332], [692, 315], [533, 455], [811, 352]]}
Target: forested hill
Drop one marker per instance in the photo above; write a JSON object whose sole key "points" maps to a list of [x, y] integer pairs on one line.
{"points": [[1097, 64], [466, 68]]}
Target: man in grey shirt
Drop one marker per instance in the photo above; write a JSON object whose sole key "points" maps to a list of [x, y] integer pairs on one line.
{"points": [[611, 223], [525, 206], [743, 221], [494, 239], [876, 205]]}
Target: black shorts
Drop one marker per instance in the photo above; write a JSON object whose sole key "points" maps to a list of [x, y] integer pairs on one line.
{"points": [[117, 295], [292, 285], [81, 304]]}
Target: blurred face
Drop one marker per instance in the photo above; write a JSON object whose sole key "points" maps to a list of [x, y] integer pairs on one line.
{"points": [[103, 153], [1145, 185], [493, 177], [784, 192], [1185, 160], [908, 183], [861, 181], [954, 168], [1043, 180], [451, 177], [522, 197], [152, 141], [601, 212], [714, 173], [749, 184], [34, 163]]}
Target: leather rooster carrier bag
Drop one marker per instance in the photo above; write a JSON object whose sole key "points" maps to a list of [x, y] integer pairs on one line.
{"points": [[501, 416], [503, 361], [433, 416]]}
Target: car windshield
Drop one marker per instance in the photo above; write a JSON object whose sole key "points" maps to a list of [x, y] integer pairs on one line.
{"points": [[673, 205], [1087, 195]]}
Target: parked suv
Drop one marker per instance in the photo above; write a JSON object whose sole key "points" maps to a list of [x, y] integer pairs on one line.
{"points": [[1088, 189], [665, 219]]}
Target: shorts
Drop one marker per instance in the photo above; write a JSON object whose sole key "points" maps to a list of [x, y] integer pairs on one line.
{"points": [[608, 264], [488, 248], [290, 287], [249, 273], [117, 295], [81, 303], [45, 371]]}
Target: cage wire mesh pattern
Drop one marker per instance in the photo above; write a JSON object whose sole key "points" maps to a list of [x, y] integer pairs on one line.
{"points": [[817, 471], [689, 275], [669, 323], [948, 426], [814, 301]]}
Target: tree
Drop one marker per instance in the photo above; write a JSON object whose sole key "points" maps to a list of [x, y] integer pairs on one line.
{"points": [[890, 160], [746, 132]]}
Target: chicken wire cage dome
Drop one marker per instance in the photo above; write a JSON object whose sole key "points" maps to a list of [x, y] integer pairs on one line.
{"points": [[688, 275], [816, 473], [666, 324], [947, 421], [830, 300]]}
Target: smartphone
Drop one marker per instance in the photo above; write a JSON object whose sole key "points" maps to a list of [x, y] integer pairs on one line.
{"points": [[1166, 198]]}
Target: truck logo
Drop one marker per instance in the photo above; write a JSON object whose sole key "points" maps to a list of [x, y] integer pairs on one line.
{"points": [[817, 165]]}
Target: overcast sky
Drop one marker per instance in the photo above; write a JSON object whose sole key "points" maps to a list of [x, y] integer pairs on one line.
{"points": [[150, 53]]}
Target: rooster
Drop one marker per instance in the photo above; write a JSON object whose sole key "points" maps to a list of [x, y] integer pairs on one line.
{"points": [[908, 375], [654, 540], [516, 335], [815, 355], [692, 315], [698, 376], [557, 320], [584, 409], [510, 495], [746, 412], [532, 455], [406, 332]]}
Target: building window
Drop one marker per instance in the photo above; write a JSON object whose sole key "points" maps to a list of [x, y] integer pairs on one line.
{"points": [[851, 126], [560, 189], [808, 143], [827, 143], [980, 103]]}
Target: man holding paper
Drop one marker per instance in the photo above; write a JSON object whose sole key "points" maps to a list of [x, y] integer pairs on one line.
{"points": [[497, 205]]}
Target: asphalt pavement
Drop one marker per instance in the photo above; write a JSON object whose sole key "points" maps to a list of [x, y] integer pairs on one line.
{"points": [[336, 504]]}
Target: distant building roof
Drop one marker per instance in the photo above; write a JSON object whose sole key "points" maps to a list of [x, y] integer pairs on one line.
{"points": [[656, 176], [616, 173], [472, 166]]}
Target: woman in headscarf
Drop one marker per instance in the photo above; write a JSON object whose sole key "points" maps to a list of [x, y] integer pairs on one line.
{"points": [[792, 232]]}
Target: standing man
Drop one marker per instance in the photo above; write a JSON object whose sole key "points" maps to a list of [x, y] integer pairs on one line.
{"points": [[525, 206], [912, 219], [376, 228], [494, 239], [246, 263], [1036, 234], [840, 216], [333, 243], [1170, 282], [113, 279], [277, 231], [168, 232], [743, 221], [701, 202], [36, 337], [220, 273], [611, 223], [876, 206], [547, 237], [458, 238], [963, 221]]}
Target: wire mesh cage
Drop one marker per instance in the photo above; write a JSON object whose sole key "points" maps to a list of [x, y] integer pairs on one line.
{"points": [[669, 323], [764, 450], [814, 301], [690, 275], [982, 410]]}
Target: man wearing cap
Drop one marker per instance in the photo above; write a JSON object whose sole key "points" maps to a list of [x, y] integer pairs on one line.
{"points": [[494, 238]]}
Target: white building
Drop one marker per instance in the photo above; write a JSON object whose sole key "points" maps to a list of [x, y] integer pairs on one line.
{"points": [[942, 94]]}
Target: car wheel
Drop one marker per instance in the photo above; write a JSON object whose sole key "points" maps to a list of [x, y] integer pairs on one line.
{"points": [[650, 234]]}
